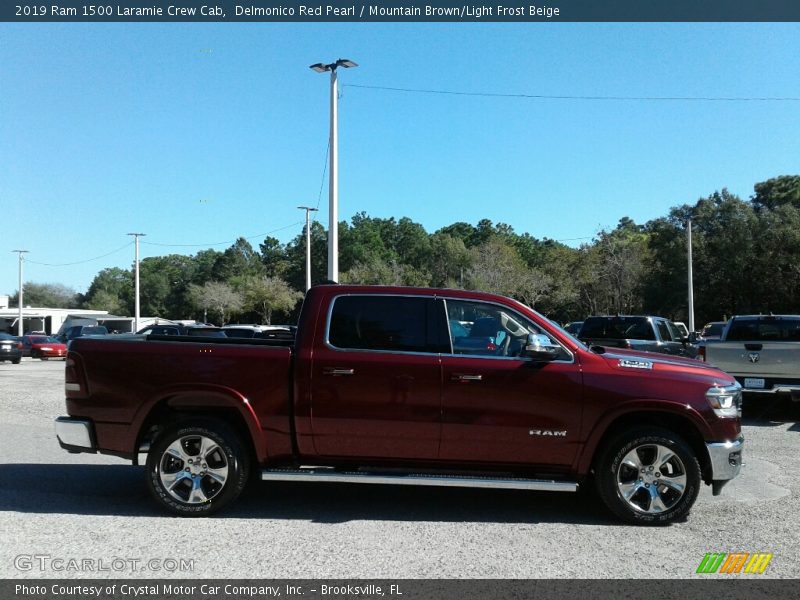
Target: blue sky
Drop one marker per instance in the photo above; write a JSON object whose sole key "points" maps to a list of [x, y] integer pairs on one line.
{"points": [[200, 133]]}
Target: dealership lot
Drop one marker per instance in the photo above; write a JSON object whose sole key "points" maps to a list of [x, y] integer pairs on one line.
{"points": [[65, 515]]}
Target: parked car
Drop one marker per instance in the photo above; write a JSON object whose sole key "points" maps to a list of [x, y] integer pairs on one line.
{"points": [[10, 348], [374, 389], [198, 330], [761, 351], [259, 331], [651, 334], [712, 330], [574, 328], [43, 347]]}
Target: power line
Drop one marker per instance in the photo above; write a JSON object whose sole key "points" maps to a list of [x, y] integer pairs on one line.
{"points": [[80, 262], [324, 171], [570, 97], [251, 237]]}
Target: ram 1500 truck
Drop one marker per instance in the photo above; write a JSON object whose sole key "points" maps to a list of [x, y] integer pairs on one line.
{"points": [[761, 351], [410, 386]]}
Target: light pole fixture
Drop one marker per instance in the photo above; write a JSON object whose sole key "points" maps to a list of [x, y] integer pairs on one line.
{"points": [[137, 313], [333, 211], [308, 210], [19, 296]]}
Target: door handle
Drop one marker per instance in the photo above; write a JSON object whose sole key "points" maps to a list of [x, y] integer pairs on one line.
{"points": [[337, 372], [462, 377]]}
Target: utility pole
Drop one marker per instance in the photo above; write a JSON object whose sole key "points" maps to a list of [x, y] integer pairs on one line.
{"points": [[20, 329], [137, 314], [333, 178], [691, 283], [308, 210]]}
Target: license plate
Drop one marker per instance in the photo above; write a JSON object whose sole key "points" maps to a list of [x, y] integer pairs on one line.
{"points": [[754, 383]]}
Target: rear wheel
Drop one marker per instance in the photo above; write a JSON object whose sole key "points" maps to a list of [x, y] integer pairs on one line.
{"points": [[197, 467], [648, 476]]}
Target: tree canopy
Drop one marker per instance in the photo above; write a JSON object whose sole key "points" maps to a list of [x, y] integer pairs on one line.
{"points": [[746, 259]]}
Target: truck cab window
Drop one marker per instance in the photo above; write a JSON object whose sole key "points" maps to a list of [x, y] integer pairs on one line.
{"points": [[663, 331], [388, 323]]}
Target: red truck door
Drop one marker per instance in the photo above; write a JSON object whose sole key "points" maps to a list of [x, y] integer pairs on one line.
{"points": [[497, 406], [376, 379]]}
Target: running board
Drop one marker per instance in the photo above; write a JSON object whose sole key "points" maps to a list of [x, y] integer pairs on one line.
{"points": [[332, 475]]}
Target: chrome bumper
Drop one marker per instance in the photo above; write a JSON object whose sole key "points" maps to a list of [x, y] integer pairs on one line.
{"points": [[726, 459], [75, 435]]}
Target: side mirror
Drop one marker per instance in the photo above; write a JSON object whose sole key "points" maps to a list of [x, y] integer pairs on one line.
{"points": [[539, 347], [693, 337]]}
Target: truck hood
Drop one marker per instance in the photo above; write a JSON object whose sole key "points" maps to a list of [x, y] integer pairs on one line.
{"points": [[631, 360]]}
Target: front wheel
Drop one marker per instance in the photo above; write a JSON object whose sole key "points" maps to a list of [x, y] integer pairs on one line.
{"points": [[197, 467], [648, 476]]}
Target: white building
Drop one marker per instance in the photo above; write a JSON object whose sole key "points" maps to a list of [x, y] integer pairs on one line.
{"points": [[51, 320]]}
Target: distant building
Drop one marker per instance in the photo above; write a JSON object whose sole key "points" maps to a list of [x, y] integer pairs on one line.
{"points": [[52, 320]]}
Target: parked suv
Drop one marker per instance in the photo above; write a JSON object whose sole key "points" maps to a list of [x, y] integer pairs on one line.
{"points": [[653, 334], [80, 330]]}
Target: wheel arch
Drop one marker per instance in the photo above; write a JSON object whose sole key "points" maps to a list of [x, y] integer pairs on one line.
{"points": [[681, 424], [215, 403]]}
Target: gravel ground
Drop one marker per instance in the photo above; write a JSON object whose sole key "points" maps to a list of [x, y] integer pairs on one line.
{"points": [[84, 506]]}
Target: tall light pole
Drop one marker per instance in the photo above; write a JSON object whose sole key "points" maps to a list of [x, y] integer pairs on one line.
{"points": [[20, 329], [308, 210], [333, 210], [137, 314], [691, 283]]}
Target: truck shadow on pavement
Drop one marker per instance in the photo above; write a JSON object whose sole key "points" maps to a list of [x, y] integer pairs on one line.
{"points": [[770, 411], [119, 490]]}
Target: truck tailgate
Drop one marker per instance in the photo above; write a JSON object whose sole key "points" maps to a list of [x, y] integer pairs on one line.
{"points": [[757, 359]]}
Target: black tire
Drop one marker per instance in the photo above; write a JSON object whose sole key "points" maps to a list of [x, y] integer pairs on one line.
{"points": [[648, 476], [16, 361], [195, 490]]}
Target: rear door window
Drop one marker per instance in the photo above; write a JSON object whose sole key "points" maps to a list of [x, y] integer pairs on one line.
{"points": [[387, 323]]}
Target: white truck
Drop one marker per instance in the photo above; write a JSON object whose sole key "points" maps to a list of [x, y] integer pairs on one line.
{"points": [[761, 351]]}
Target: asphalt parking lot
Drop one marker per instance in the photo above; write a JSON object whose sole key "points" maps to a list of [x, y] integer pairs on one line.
{"points": [[95, 509]]}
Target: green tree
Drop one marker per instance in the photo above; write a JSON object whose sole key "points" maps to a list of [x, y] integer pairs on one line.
{"points": [[105, 300], [777, 192], [496, 267], [295, 273], [50, 295], [240, 260], [268, 295], [448, 260], [217, 297], [274, 257]]}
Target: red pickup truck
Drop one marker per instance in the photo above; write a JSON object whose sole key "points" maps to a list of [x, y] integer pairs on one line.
{"points": [[411, 386]]}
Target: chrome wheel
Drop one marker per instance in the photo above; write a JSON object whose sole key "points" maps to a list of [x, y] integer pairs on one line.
{"points": [[651, 479], [193, 469]]}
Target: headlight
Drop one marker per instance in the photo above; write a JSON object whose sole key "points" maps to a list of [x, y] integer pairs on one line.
{"points": [[726, 401]]}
